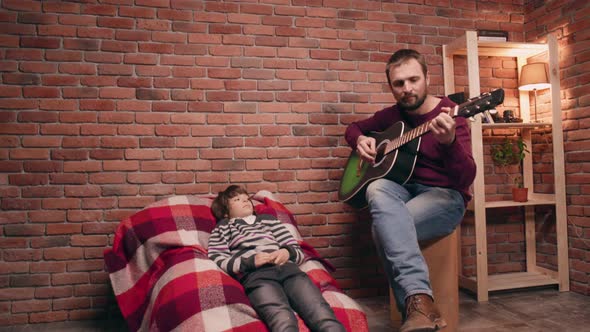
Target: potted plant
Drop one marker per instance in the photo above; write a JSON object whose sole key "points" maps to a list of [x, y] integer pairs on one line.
{"points": [[512, 152], [519, 192]]}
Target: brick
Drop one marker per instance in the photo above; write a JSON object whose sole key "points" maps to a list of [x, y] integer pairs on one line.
{"points": [[120, 165], [30, 306], [88, 240], [24, 230], [14, 267], [152, 94], [29, 280], [36, 18], [119, 142], [137, 12], [103, 228], [49, 241], [17, 293], [92, 290], [86, 265], [81, 44], [12, 217], [150, 166], [62, 253], [46, 317], [84, 215], [29, 179], [53, 292], [107, 178], [43, 166], [61, 229], [178, 177], [115, 22], [48, 216], [133, 202]]}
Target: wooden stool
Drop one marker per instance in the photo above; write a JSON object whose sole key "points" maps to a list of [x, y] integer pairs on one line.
{"points": [[442, 257]]}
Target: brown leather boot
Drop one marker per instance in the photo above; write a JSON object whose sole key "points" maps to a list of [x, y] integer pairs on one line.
{"points": [[422, 315]]}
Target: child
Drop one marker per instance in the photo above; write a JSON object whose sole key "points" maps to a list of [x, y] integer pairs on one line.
{"points": [[261, 253]]}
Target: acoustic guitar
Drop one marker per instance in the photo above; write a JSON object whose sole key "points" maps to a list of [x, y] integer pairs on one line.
{"points": [[397, 151]]}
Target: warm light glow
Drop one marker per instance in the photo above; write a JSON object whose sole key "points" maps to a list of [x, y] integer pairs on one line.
{"points": [[534, 77]]}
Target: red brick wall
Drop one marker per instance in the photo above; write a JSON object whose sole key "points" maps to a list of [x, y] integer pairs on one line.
{"points": [[570, 20], [108, 106]]}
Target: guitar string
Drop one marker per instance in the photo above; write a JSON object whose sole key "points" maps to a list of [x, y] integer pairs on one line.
{"points": [[407, 137]]}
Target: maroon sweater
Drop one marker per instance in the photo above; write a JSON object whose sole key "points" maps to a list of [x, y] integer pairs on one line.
{"points": [[437, 165]]}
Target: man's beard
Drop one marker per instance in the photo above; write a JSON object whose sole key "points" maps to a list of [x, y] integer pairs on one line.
{"points": [[411, 106]]}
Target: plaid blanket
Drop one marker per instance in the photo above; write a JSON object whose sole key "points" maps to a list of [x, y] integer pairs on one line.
{"points": [[164, 281]]}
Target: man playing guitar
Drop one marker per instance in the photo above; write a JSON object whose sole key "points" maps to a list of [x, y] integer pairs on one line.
{"points": [[432, 201]]}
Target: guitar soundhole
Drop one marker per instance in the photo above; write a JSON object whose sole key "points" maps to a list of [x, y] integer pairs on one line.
{"points": [[380, 153]]}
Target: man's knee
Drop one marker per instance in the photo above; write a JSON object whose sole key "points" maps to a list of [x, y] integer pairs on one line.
{"points": [[382, 188]]}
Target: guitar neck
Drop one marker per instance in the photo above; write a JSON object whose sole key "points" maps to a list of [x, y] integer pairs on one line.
{"points": [[467, 109], [407, 137]]}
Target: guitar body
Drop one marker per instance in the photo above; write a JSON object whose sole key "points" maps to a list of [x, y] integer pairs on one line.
{"points": [[396, 166]]}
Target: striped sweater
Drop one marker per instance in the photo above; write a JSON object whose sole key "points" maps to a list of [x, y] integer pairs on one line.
{"points": [[234, 243]]}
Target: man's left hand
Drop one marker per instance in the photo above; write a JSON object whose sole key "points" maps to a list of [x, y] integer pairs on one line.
{"points": [[443, 127]]}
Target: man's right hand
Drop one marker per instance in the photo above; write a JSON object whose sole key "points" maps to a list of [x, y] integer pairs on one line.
{"points": [[365, 146]]}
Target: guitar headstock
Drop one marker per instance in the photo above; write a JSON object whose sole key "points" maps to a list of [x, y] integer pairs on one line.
{"points": [[481, 103]]}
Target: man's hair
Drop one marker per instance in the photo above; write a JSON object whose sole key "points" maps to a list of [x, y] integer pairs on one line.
{"points": [[404, 55], [220, 205]]}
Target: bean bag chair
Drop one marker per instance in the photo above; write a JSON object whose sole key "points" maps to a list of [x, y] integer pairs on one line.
{"points": [[163, 279]]}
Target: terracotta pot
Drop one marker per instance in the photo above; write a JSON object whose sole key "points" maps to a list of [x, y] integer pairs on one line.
{"points": [[520, 194]]}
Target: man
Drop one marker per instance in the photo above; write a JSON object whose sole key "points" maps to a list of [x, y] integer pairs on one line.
{"points": [[432, 202]]}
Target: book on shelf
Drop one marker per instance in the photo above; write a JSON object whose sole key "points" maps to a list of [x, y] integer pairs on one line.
{"points": [[492, 35], [487, 117], [495, 39]]}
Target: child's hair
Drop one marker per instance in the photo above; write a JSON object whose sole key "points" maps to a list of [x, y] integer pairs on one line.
{"points": [[220, 205]]}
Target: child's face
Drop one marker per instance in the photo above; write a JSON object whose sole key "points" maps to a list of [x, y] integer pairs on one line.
{"points": [[240, 206]]}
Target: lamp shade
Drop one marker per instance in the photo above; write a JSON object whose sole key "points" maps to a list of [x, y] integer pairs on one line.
{"points": [[534, 77]]}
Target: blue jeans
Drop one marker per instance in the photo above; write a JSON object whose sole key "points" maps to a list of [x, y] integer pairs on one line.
{"points": [[403, 216]]}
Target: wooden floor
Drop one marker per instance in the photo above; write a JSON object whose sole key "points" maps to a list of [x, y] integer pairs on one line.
{"points": [[522, 311]]}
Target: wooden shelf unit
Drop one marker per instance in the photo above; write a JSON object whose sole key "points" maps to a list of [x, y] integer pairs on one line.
{"points": [[534, 275]]}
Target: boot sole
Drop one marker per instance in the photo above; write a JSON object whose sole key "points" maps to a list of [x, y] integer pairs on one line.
{"points": [[437, 326], [429, 329]]}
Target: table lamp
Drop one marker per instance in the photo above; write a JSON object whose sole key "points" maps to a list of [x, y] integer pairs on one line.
{"points": [[533, 76]]}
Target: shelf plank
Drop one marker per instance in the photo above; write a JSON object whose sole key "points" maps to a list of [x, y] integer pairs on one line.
{"points": [[504, 49], [516, 125], [534, 199], [513, 280], [519, 280]]}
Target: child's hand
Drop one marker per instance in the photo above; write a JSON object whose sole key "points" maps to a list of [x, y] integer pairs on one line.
{"points": [[280, 256], [262, 258]]}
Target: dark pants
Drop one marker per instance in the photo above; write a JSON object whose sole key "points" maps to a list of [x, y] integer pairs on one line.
{"points": [[275, 291]]}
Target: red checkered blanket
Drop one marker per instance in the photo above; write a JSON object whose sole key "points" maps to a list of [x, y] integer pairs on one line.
{"points": [[164, 281]]}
